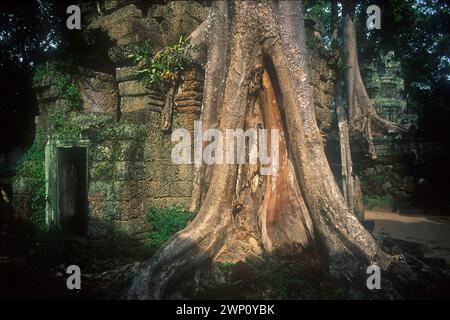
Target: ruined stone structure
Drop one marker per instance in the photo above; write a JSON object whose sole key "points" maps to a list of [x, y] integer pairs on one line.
{"points": [[124, 164], [386, 90], [390, 175]]}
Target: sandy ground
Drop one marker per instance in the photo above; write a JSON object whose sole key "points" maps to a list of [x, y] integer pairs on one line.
{"points": [[432, 231]]}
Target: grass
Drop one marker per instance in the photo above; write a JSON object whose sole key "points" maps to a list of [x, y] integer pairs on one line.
{"points": [[164, 223]]}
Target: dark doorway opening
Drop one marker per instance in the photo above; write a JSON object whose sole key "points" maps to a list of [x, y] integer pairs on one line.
{"points": [[72, 190]]}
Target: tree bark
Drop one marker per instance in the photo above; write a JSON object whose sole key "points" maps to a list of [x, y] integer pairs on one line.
{"points": [[265, 86], [350, 182], [167, 111], [216, 67]]}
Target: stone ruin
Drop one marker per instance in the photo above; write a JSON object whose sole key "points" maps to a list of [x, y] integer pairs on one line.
{"points": [[385, 86], [119, 165]]}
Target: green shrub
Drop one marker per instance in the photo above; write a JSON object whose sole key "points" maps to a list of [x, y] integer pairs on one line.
{"points": [[376, 201], [303, 280], [226, 267], [62, 80], [31, 166], [160, 69], [165, 222]]}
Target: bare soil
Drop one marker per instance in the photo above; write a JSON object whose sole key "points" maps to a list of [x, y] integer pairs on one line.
{"points": [[429, 230]]}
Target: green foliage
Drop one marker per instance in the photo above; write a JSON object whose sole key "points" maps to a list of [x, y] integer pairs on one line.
{"points": [[371, 202], [69, 91], [62, 124], [285, 284], [320, 12], [52, 73], [226, 267], [65, 122], [70, 125], [31, 167], [39, 74], [419, 33], [59, 115], [304, 281], [293, 281], [159, 70], [165, 222], [371, 184], [375, 180]]}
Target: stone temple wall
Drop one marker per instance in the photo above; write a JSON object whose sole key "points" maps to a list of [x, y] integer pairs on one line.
{"points": [[322, 73], [385, 87], [129, 165]]}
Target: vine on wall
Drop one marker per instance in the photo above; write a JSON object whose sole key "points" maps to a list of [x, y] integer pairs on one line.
{"points": [[31, 168]]}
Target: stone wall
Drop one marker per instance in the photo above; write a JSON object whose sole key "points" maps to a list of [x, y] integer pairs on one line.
{"points": [[129, 165], [385, 87], [322, 72]]}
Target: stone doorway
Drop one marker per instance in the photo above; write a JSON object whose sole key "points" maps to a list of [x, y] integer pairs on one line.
{"points": [[72, 190]]}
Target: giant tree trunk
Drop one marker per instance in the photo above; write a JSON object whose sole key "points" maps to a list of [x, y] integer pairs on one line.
{"points": [[216, 68], [351, 188], [363, 119], [262, 81], [350, 182]]}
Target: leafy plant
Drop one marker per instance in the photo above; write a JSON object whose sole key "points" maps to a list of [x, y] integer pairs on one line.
{"points": [[62, 116], [159, 70], [309, 280], [376, 201], [31, 167], [226, 267], [165, 222], [67, 90]]}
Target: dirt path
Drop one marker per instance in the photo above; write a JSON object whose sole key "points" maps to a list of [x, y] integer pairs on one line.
{"points": [[432, 231]]}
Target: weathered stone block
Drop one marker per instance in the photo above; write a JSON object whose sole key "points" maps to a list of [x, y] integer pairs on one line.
{"points": [[166, 171], [137, 117], [110, 211], [168, 201], [133, 88], [134, 227], [48, 93], [170, 189], [131, 104], [98, 92], [127, 131], [104, 151], [123, 14], [102, 170], [122, 54], [110, 5], [130, 150], [22, 185], [133, 209], [129, 171], [127, 190], [102, 189], [127, 73]]}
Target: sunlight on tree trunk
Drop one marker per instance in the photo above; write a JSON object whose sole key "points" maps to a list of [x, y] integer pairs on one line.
{"points": [[257, 76]]}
